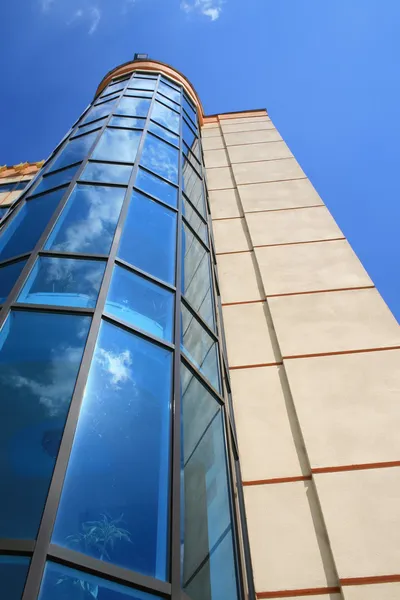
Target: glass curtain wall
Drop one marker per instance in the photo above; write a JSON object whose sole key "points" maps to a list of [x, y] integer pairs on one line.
{"points": [[114, 433]]}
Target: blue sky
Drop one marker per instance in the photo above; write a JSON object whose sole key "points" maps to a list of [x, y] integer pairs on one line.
{"points": [[326, 70]]}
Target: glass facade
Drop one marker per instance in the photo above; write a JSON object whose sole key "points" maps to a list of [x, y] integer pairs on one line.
{"points": [[115, 437]]}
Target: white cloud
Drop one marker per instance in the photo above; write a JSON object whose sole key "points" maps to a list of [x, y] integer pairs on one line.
{"points": [[117, 366], [208, 8], [95, 16]]}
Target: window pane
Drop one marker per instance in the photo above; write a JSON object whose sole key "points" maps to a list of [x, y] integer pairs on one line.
{"points": [[8, 276], [138, 94], [75, 151], [142, 84], [160, 158], [3, 210], [13, 186], [165, 116], [40, 354], [191, 139], [13, 572], [135, 107], [168, 102], [169, 92], [87, 223], [97, 112], [114, 504], [113, 89], [164, 133], [149, 238], [194, 220], [23, 231], [56, 179], [196, 276], [119, 145], [103, 172], [200, 347], [193, 186], [189, 109], [90, 127], [209, 571], [191, 158], [64, 282], [104, 100], [131, 122], [140, 302], [63, 583], [156, 187]]}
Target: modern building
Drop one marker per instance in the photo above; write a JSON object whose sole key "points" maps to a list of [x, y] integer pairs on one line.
{"points": [[199, 382]]}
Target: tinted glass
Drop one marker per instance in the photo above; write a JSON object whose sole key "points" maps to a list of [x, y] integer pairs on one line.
{"points": [[90, 127], [130, 122], [55, 179], [135, 107], [156, 187], [113, 89], [23, 231], [189, 109], [191, 157], [103, 172], [114, 504], [142, 84], [75, 151], [196, 276], [119, 145], [140, 302], [191, 139], [13, 186], [165, 116], [64, 282], [194, 220], [13, 572], [62, 583], [138, 94], [169, 92], [3, 211], [97, 112], [160, 158], [199, 347], [164, 133], [8, 276], [149, 238], [168, 102], [40, 354], [193, 186], [110, 98], [87, 223], [208, 561]]}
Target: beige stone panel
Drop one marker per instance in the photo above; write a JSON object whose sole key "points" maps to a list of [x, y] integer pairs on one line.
{"points": [[379, 591], [237, 278], [288, 547], [348, 406], [257, 152], [13, 196], [213, 143], [362, 515], [224, 204], [208, 131], [248, 336], [4, 197], [251, 125], [229, 236], [219, 178], [333, 322], [249, 119], [208, 126], [215, 158], [290, 226], [252, 137], [264, 419], [310, 267], [278, 194], [269, 170]]}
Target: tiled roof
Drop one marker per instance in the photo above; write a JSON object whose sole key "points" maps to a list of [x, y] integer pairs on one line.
{"points": [[21, 169]]}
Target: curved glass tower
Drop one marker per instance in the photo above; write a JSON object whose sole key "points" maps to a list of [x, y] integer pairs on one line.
{"points": [[115, 435]]}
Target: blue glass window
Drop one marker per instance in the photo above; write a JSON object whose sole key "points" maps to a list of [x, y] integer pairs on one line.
{"points": [[141, 302], [191, 139], [13, 186], [149, 238], [138, 94], [112, 89], [164, 133], [160, 158], [23, 231], [135, 107], [119, 145], [200, 347], [106, 173], [196, 276], [3, 210], [142, 84], [208, 559], [193, 186], [114, 504], [64, 282], [165, 117], [63, 583], [105, 100], [191, 158], [189, 109], [56, 179], [169, 91], [87, 223], [13, 572], [156, 187], [90, 127], [40, 354], [98, 112], [129, 122], [8, 276], [74, 151], [196, 223]]}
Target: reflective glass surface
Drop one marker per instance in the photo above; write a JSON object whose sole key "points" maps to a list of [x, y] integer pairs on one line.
{"points": [[164, 133], [156, 187], [114, 504], [55, 179], [130, 122], [160, 158], [97, 112], [23, 231], [8, 276], [196, 276], [189, 109], [108, 99], [63, 583], [13, 572], [166, 117], [75, 151], [169, 91], [191, 157], [40, 354], [209, 571], [3, 211], [141, 302], [13, 186], [138, 94], [196, 223], [149, 238], [112, 89], [106, 173], [142, 84], [64, 282], [87, 223], [191, 139], [199, 347], [119, 145], [168, 102], [135, 107], [193, 186], [90, 127]]}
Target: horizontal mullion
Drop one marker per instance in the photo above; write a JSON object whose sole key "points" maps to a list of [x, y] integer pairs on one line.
{"points": [[101, 183], [52, 308], [196, 210], [110, 162], [210, 388], [52, 189], [14, 259], [196, 235], [158, 176], [199, 318], [145, 274], [186, 114], [107, 316], [155, 199], [152, 120], [60, 254], [160, 100], [162, 139], [14, 546], [75, 164]]}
